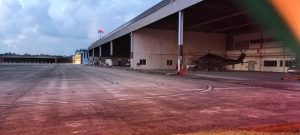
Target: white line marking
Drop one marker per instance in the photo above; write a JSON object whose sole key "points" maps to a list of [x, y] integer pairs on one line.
{"points": [[128, 98], [202, 90], [210, 88], [234, 88], [194, 89]]}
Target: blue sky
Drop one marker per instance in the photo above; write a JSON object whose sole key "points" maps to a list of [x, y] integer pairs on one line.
{"points": [[59, 27]]}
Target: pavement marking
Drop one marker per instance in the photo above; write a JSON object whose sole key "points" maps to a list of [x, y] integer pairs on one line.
{"points": [[209, 88], [234, 88]]}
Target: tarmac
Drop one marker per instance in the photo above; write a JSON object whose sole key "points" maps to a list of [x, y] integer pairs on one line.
{"points": [[76, 99]]}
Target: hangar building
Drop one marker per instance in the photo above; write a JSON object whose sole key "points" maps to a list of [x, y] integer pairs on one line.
{"points": [[174, 32], [28, 59]]}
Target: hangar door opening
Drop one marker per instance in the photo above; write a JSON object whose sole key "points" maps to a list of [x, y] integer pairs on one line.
{"points": [[218, 31], [117, 52]]}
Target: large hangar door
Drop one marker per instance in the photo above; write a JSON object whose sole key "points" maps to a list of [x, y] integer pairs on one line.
{"points": [[121, 47]]}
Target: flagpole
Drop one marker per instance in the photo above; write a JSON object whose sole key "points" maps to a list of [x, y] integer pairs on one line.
{"points": [[100, 31]]}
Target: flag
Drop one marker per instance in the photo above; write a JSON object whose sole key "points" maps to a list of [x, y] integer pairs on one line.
{"points": [[100, 31]]}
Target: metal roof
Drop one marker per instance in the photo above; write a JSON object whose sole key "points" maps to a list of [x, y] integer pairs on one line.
{"points": [[211, 16], [155, 13]]}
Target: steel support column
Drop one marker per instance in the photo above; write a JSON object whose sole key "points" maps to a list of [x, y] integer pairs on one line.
{"points": [[180, 39], [111, 48], [131, 50], [100, 51], [93, 53], [100, 55], [93, 61], [89, 57]]}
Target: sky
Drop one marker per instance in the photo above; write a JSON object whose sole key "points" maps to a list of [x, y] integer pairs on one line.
{"points": [[59, 27]]}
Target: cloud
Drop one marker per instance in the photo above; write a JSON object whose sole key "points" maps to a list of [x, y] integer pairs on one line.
{"points": [[61, 26]]}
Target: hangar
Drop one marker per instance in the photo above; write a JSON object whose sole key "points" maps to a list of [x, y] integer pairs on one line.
{"points": [[174, 32], [28, 59]]}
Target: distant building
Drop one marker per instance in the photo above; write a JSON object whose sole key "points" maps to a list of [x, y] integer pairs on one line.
{"points": [[77, 57], [81, 57], [36, 59]]}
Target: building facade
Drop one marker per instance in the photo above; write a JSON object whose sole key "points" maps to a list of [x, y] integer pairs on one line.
{"points": [[81, 57], [264, 53]]}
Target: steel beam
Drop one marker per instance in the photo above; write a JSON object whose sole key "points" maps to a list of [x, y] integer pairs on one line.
{"points": [[233, 27], [217, 19]]}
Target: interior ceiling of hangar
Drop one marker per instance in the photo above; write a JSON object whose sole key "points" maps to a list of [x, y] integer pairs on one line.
{"points": [[212, 16]]}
